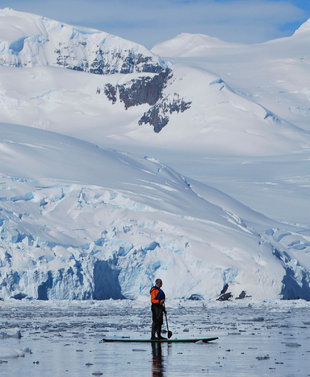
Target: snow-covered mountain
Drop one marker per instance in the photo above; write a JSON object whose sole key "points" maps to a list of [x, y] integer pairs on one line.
{"points": [[274, 74], [79, 222], [28, 40], [304, 28], [120, 89], [188, 45]]}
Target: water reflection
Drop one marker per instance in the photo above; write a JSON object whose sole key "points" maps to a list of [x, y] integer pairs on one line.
{"points": [[158, 367]]}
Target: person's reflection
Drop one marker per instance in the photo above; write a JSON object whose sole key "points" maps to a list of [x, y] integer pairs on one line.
{"points": [[157, 364]]}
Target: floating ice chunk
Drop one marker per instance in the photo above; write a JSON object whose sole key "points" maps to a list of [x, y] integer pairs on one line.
{"points": [[293, 345], [257, 319], [11, 353], [10, 333], [264, 357]]}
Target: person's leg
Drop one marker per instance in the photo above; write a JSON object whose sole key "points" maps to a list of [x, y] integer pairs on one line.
{"points": [[160, 323], [155, 321]]}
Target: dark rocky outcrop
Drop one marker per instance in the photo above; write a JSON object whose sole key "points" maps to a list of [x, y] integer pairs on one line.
{"points": [[241, 296], [149, 90], [225, 297], [110, 91], [228, 295], [155, 118], [145, 89], [158, 115], [106, 62], [224, 290]]}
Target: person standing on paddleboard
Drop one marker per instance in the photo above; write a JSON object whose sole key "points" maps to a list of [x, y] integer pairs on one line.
{"points": [[158, 308]]}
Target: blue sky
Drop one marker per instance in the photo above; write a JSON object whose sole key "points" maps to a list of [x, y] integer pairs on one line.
{"points": [[153, 21]]}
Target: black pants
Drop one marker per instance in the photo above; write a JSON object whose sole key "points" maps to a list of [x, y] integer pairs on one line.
{"points": [[157, 316]]}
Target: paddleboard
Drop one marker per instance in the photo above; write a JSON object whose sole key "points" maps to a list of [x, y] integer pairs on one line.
{"points": [[128, 340]]}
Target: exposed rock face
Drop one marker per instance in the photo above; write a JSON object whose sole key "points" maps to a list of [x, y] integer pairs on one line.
{"points": [[144, 90], [79, 54], [110, 91], [38, 41], [149, 90], [52, 43], [158, 115], [104, 62]]}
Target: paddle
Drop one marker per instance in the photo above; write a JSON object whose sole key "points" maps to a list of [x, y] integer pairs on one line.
{"points": [[168, 331]]}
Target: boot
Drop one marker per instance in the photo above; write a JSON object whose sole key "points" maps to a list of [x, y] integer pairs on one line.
{"points": [[159, 334]]}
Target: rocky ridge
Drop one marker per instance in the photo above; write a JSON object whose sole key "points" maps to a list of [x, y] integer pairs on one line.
{"points": [[51, 43]]}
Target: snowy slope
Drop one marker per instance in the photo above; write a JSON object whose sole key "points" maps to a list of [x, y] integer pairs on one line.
{"points": [[274, 74], [189, 45], [219, 120], [79, 221], [187, 105]]}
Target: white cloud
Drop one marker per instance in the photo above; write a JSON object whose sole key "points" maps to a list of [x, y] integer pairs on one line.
{"points": [[150, 21]]}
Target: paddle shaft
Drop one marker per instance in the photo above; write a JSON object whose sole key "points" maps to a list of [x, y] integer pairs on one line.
{"points": [[169, 332]]}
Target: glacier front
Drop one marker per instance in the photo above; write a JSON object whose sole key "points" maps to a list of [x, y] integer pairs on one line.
{"points": [[81, 222]]}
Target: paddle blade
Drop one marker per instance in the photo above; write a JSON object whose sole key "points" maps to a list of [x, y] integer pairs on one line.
{"points": [[169, 334]]}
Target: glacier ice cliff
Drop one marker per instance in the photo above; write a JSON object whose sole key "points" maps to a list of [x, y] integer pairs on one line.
{"points": [[66, 241], [81, 222]]}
